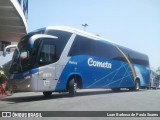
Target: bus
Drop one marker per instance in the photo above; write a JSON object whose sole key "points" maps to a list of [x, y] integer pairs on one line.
{"points": [[59, 58], [154, 80]]}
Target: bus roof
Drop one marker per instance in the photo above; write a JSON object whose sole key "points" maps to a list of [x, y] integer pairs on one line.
{"points": [[77, 31], [89, 35]]}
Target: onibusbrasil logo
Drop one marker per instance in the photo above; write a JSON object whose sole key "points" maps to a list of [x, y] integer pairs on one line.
{"points": [[21, 114]]}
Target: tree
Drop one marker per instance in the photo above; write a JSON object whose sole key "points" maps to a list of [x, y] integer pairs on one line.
{"points": [[158, 70]]}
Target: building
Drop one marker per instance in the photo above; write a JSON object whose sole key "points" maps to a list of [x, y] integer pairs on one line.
{"points": [[13, 21]]}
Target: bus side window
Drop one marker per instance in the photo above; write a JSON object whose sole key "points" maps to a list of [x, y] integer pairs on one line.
{"points": [[75, 48], [82, 46], [47, 54]]}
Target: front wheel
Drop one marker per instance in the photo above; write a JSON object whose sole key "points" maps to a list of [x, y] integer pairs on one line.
{"points": [[47, 94], [72, 87]]}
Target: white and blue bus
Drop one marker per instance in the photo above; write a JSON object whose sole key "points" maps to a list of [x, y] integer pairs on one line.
{"points": [[55, 59]]}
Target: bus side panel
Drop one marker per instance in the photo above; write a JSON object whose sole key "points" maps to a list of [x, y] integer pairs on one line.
{"points": [[69, 69], [114, 76], [143, 74], [97, 73], [46, 78]]}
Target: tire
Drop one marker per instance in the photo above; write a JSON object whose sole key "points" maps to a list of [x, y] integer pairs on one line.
{"points": [[72, 87], [115, 89], [149, 86], [136, 87], [47, 94]]}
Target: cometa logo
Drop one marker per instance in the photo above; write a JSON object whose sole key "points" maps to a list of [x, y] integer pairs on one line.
{"points": [[94, 63]]}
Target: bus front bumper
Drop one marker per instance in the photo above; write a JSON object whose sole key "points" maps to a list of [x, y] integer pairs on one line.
{"points": [[22, 85]]}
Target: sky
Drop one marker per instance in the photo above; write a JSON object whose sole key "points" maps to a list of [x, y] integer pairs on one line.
{"points": [[134, 24]]}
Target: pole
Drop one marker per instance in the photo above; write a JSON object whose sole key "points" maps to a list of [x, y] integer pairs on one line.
{"points": [[84, 26]]}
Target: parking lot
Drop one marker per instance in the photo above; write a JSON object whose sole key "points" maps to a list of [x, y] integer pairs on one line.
{"points": [[86, 100]]}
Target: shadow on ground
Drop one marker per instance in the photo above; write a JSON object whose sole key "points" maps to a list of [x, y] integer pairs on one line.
{"points": [[80, 93]]}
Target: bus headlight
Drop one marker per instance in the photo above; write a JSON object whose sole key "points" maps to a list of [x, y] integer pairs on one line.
{"points": [[27, 77], [28, 85]]}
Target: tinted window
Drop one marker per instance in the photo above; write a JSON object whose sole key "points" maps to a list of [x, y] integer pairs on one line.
{"points": [[109, 51], [136, 57], [104, 49], [97, 48], [62, 40], [47, 53], [75, 49], [82, 46]]}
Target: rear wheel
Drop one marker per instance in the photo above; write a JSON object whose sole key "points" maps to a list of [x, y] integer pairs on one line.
{"points": [[149, 86], [47, 94], [72, 87], [116, 89], [136, 87]]}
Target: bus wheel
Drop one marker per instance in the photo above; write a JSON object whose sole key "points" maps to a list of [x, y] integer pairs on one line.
{"points": [[116, 89], [136, 87], [47, 94], [72, 87]]}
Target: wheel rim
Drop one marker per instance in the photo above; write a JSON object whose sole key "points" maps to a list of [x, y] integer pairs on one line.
{"points": [[137, 85], [75, 87]]}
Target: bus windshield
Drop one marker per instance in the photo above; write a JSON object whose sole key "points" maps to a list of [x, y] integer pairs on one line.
{"points": [[24, 58], [42, 51]]}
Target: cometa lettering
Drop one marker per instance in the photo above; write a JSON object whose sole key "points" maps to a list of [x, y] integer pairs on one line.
{"points": [[94, 63]]}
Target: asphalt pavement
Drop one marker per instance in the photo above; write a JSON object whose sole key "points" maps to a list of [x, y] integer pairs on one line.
{"points": [[86, 100]]}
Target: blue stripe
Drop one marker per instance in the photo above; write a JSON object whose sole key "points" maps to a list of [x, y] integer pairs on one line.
{"points": [[24, 74]]}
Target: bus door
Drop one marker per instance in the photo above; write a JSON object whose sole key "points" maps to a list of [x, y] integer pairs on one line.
{"points": [[47, 58]]}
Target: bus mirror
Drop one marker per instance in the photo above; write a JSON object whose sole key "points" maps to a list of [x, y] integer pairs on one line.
{"points": [[5, 53], [8, 49], [37, 36]]}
